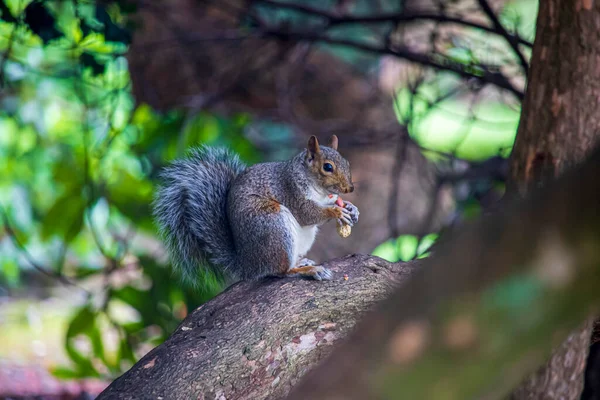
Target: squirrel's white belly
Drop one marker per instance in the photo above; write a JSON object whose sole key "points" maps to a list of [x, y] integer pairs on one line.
{"points": [[303, 237]]}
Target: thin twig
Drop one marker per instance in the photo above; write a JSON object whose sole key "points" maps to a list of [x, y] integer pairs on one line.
{"points": [[512, 40], [405, 17], [477, 72], [46, 271]]}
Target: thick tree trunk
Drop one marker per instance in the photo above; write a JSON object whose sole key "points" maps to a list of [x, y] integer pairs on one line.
{"points": [[560, 127], [469, 323], [560, 123]]}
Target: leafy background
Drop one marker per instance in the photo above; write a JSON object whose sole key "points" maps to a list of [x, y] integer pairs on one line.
{"points": [[85, 287]]}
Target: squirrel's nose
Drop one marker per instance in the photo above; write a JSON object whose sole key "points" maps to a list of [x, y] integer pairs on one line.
{"points": [[351, 188]]}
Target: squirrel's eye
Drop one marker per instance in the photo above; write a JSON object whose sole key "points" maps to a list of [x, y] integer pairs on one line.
{"points": [[327, 167]]}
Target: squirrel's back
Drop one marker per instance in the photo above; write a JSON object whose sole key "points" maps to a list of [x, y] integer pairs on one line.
{"points": [[190, 208], [270, 179]]}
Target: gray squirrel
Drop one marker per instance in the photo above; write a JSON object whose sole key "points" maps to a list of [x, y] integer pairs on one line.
{"points": [[248, 223]]}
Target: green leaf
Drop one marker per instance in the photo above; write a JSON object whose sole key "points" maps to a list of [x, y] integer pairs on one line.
{"points": [[141, 301], [125, 351], [85, 323], [65, 373], [65, 217], [461, 55], [426, 242], [82, 323], [97, 345], [133, 327], [407, 247], [387, 251], [84, 272], [9, 269], [132, 196]]}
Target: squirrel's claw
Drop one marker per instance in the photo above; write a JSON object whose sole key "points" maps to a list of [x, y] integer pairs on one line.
{"points": [[352, 210], [315, 272], [346, 217], [322, 274]]}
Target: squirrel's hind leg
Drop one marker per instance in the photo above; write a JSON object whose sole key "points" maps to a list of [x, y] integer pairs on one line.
{"points": [[271, 242]]}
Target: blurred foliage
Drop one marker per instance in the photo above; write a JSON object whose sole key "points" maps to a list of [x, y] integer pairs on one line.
{"points": [[405, 247], [468, 131], [449, 115], [80, 159], [79, 163]]}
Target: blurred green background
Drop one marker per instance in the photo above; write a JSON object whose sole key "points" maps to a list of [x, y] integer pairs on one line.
{"points": [[85, 287]]}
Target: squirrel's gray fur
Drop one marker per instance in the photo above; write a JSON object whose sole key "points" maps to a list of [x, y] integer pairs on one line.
{"points": [[246, 223]]}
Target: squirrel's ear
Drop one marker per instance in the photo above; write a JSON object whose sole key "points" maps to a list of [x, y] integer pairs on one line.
{"points": [[333, 142], [313, 146]]}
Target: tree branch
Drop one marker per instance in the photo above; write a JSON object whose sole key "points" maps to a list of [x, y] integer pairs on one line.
{"points": [[480, 73], [405, 17], [45, 271], [512, 40], [257, 338]]}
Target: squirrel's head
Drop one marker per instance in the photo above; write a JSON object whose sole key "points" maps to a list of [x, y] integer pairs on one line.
{"points": [[328, 167]]}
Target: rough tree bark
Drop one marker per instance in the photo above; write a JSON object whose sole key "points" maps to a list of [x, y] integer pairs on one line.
{"points": [[560, 127], [469, 323], [560, 124], [255, 340]]}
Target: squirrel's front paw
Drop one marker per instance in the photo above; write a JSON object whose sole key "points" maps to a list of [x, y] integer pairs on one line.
{"points": [[345, 216], [352, 211]]}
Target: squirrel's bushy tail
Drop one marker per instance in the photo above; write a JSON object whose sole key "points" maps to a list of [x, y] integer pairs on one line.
{"points": [[190, 210]]}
